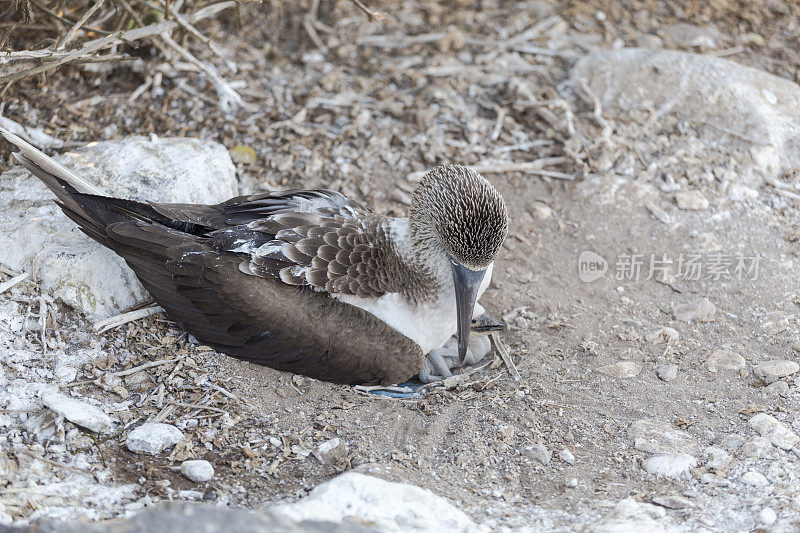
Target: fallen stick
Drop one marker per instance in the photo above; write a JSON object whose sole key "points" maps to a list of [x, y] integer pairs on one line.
{"points": [[79, 25], [145, 366], [501, 349], [135, 34], [229, 99], [13, 281], [124, 318]]}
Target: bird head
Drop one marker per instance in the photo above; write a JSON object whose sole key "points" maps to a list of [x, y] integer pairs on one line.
{"points": [[455, 210]]}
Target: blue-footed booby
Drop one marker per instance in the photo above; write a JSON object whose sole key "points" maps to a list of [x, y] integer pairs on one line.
{"points": [[307, 281]]}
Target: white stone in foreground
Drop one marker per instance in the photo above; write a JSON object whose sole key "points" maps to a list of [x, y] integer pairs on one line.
{"points": [[37, 238], [153, 438], [197, 470], [78, 412], [385, 506]]}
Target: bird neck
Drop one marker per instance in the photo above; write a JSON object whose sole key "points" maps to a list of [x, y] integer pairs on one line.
{"points": [[422, 254]]}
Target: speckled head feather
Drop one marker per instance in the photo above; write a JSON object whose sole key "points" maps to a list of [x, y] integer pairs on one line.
{"points": [[460, 211]]}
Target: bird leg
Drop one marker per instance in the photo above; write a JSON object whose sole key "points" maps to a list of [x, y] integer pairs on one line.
{"points": [[439, 362]]}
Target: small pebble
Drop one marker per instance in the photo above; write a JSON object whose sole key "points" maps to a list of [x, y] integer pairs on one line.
{"points": [[567, 456], [723, 359], [540, 210], [754, 479], [539, 452], [767, 516], [779, 388], [770, 371], [197, 470], [571, 482], [701, 310], [691, 201], [667, 372], [621, 370], [773, 429], [673, 502], [756, 448], [716, 458], [153, 438], [670, 465]]}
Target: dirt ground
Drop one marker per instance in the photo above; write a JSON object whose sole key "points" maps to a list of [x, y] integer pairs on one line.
{"points": [[363, 115]]}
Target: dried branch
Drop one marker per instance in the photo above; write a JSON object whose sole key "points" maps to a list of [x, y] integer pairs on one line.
{"points": [[102, 43]]}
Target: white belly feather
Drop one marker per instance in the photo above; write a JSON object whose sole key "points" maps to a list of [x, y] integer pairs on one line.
{"points": [[429, 324]]}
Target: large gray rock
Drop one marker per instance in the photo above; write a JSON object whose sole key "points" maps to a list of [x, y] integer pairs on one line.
{"points": [[36, 237], [745, 108], [195, 518]]}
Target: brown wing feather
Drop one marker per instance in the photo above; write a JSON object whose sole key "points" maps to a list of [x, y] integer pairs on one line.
{"points": [[262, 320]]}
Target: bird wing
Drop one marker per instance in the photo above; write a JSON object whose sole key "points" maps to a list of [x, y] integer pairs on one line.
{"points": [[264, 321], [316, 238]]}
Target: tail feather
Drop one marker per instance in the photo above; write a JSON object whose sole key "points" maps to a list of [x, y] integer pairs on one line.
{"points": [[49, 165]]}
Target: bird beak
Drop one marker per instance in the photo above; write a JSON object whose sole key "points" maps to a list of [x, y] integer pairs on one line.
{"points": [[467, 282]]}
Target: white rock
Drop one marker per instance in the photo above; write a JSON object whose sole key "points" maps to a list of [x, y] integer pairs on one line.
{"points": [[668, 335], [773, 429], [760, 112], [621, 370], [667, 372], [769, 371], [332, 451], [701, 310], [153, 438], [567, 456], [630, 516], [65, 373], [767, 516], [197, 470], [78, 412], [778, 388], [754, 479], [670, 465], [672, 501], [723, 359], [716, 458], [757, 447], [691, 200], [385, 506], [539, 452], [67, 263], [540, 210], [655, 436]]}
